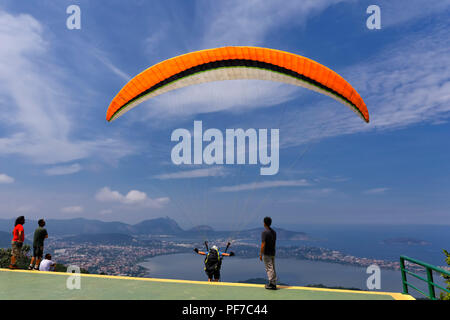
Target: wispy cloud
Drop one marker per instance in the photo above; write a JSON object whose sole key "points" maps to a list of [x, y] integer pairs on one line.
{"points": [[376, 191], [37, 109], [197, 173], [63, 170], [233, 23], [133, 197], [395, 13], [264, 185], [102, 57], [400, 89], [72, 209], [249, 22], [6, 179]]}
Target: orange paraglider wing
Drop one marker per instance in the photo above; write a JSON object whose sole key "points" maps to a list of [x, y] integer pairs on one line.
{"points": [[232, 63]]}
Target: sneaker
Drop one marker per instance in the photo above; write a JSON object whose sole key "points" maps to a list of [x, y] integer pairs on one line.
{"points": [[13, 267], [30, 267], [36, 268]]}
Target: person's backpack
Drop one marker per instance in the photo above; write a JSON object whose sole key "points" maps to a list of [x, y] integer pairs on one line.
{"points": [[212, 260]]}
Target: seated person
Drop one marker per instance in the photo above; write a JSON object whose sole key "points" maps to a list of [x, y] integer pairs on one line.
{"points": [[47, 264]]}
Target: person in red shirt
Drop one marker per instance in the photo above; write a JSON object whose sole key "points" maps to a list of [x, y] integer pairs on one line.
{"points": [[17, 241]]}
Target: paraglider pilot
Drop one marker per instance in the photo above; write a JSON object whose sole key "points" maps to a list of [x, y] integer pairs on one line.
{"points": [[213, 261]]}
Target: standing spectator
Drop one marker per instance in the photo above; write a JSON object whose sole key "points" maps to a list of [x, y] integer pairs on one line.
{"points": [[17, 241], [40, 234], [47, 264], [267, 253]]}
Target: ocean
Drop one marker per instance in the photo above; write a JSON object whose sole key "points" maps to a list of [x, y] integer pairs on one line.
{"points": [[367, 241], [361, 241], [294, 272]]}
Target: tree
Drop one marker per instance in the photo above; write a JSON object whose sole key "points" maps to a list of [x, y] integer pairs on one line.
{"points": [[24, 261], [446, 296]]}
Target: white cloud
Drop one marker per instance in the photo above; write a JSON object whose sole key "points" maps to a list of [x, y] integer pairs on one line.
{"points": [[394, 13], [264, 185], [38, 112], [6, 179], [398, 92], [63, 170], [249, 22], [197, 173], [234, 23], [376, 191], [404, 85], [72, 209], [133, 197]]}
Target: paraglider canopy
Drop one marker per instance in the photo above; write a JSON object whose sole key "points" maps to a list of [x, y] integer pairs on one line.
{"points": [[233, 63]]}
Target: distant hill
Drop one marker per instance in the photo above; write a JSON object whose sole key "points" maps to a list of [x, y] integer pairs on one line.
{"points": [[70, 226], [151, 227], [5, 239], [84, 226], [157, 226]]}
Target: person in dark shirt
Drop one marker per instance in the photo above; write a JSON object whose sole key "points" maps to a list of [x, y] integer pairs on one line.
{"points": [[267, 254], [40, 234]]}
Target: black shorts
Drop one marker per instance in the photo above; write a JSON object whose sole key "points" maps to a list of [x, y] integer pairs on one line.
{"points": [[38, 252], [214, 274]]}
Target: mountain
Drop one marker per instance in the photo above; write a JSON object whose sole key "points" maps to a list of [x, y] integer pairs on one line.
{"points": [[158, 226], [5, 239], [85, 226], [6, 225], [80, 226], [70, 226]]}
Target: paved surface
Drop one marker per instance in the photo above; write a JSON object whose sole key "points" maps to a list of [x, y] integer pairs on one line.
{"points": [[21, 284]]}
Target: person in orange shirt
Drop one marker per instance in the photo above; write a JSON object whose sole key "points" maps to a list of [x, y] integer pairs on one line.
{"points": [[17, 241]]}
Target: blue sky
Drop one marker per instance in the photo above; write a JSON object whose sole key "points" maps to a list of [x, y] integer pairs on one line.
{"points": [[59, 158]]}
